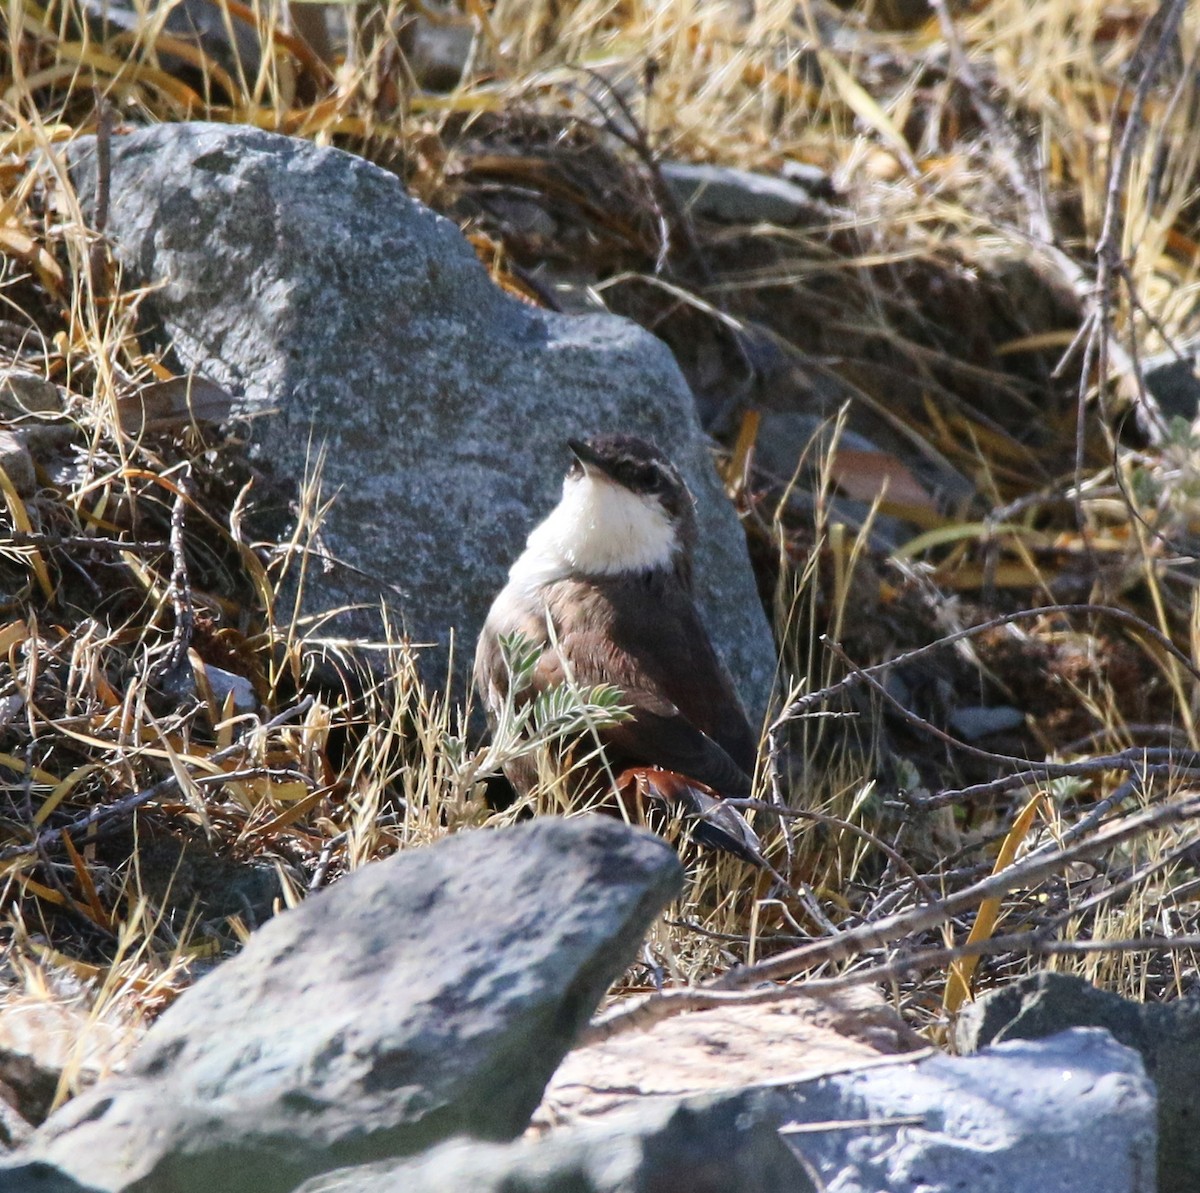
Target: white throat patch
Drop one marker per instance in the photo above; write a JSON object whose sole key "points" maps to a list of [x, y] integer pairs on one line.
{"points": [[598, 528]]}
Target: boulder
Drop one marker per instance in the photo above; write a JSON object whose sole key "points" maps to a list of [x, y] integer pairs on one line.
{"points": [[701, 1145], [1073, 1113], [1166, 1035], [306, 282], [429, 995]]}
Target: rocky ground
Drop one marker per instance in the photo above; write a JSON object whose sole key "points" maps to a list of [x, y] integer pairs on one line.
{"points": [[280, 403]]}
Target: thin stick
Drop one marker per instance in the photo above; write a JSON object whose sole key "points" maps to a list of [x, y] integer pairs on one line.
{"points": [[1029, 872], [884, 933], [804, 703], [81, 542], [148, 794], [98, 254], [786, 813], [181, 590], [1108, 247], [1000, 131], [675, 1002], [1143, 759]]}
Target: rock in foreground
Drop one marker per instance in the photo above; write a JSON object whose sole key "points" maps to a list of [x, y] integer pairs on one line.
{"points": [[1070, 1114], [425, 996], [717, 1145], [1167, 1036]]}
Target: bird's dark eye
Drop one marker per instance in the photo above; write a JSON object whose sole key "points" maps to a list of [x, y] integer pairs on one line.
{"points": [[649, 478]]}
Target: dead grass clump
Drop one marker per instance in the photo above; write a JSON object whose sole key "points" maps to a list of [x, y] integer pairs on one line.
{"points": [[978, 281]]}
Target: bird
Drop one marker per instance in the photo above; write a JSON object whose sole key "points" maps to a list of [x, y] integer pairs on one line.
{"points": [[603, 594]]}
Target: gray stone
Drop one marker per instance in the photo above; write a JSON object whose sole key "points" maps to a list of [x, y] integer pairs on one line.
{"points": [[731, 196], [17, 463], [975, 721], [43, 438], [23, 393], [1070, 1114], [184, 684], [1167, 1035], [225, 684], [1173, 383], [786, 438], [201, 23], [305, 280], [713, 1145], [425, 996]]}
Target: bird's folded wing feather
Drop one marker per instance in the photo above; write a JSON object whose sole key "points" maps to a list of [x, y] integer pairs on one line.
{"points": [[657, 733], [678, 657]]}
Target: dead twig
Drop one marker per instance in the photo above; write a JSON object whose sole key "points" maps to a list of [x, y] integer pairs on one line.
{"points": [[657, 1007], [98, 260], [1161, 32], [1001, 138], [180, 590], [149, 794], [882, 934], [1140, 759], [801, 706], [82, 542], [786, 813]]}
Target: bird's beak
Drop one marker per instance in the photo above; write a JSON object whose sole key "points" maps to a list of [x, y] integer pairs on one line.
{"points": [[591, 462]]}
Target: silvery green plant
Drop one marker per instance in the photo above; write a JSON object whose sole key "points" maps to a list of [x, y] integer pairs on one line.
{"points": [[526, 725]]}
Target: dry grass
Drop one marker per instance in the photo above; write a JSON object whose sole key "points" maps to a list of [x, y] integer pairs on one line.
{"points": [[925, 293]]}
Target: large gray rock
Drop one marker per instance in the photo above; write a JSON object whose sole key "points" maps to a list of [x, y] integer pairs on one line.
{"points": [[425, 996], [711, 1145], [1167, 1035], [306, 280], [1073, 1113]]}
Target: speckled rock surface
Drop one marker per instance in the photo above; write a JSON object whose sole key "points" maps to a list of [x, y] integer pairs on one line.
{"points": [[1073, 1113], [1166, 1035], [307, 282], [425, 996], [713, 1145]]}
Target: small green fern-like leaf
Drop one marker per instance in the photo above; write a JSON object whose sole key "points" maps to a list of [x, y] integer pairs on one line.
{"points": [[563, 710], [520, 656]]}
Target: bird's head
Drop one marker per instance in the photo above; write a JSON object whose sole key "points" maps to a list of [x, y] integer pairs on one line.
{"points": [[624, 509]]}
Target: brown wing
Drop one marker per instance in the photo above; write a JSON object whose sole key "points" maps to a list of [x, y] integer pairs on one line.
{"points": [[643, 636], [657, 733], [664, 630]]}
